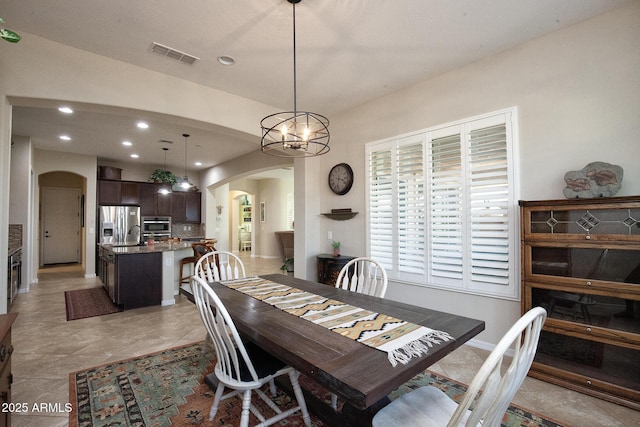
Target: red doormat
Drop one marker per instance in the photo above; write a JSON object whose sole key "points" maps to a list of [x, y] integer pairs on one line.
{"points": [[83, 303]]}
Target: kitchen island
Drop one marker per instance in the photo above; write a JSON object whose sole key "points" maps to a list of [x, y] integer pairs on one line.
{"points": [[140, 276]]}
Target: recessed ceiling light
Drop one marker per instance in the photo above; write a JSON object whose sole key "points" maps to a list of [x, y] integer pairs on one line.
{"points": [[198, 164], [143, 125], [135, 156], [127, 143], [66, 110], [65, 137], [226, 60]]}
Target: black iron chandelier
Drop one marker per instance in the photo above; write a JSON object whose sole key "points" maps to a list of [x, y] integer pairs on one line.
{"points": [[295, 133]]}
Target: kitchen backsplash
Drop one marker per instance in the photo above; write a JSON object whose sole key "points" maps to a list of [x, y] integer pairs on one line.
{"points": [[15, 235], [188, 230]]}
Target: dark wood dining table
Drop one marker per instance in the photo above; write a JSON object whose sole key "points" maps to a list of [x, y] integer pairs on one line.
{"points": [[360, 375]]}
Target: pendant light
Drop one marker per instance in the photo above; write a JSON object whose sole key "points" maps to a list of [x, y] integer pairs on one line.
{"points": [[295, 133], [184, 182], [165, 188]]}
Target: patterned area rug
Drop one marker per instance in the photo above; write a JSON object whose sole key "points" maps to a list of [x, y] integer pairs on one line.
{"points": [[168, 389], [83, 303]]}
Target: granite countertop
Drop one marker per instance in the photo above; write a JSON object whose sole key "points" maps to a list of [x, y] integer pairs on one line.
{"points": [[157, 247]]}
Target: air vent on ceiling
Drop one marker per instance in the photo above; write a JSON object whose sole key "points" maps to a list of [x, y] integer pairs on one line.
{"points": [[172, 53], [165, 141]]}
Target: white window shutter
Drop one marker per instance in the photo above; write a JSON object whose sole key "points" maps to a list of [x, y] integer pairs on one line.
{"points": [[380, 218], [446, 205], [411, 206], [441, 206]]}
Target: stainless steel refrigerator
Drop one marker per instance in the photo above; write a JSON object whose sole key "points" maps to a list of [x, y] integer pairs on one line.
{"points": [[120, 225]]}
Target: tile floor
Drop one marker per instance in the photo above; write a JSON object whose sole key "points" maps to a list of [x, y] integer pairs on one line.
{"points": [[47, 348]]}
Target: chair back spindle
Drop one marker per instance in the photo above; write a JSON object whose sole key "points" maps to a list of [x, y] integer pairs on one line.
{"points": [[219, 265], [363, 275]]}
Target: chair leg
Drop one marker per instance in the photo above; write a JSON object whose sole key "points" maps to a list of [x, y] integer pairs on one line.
{"points": [[216, 401], [246, 406], [293, 377], [272, 388]]}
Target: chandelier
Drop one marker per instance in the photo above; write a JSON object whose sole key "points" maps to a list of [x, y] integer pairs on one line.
{"points": [[184, 181], [295, 133]]}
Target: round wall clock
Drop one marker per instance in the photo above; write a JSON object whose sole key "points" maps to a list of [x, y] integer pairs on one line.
{"points": [[341, 178]]}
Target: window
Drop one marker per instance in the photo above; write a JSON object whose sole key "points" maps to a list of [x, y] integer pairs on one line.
{"points": [[442, 208]]}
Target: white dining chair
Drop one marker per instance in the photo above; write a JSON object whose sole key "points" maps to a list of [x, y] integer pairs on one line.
{"points": [[244, 368], [429, 406], [219, 265], [363, 275]]}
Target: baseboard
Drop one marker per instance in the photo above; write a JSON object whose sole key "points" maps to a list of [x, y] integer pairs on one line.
{"points": [[483, 345], [167, 302]]}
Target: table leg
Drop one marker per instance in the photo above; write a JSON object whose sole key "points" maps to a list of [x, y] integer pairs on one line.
{"points": [[360, 418]]}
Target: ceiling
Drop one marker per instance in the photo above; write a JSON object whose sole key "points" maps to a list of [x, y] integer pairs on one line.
{"points": [[348, 53]]}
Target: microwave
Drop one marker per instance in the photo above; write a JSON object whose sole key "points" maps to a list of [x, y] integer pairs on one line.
{"points": [[156, 227]]}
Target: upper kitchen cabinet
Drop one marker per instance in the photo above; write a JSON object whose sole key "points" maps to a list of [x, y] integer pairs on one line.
{"points": [[118, 192], [153, 203], [182, 207], [185, 207]]}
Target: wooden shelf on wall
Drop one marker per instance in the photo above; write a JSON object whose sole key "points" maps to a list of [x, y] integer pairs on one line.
{"points": [[340, 216]]}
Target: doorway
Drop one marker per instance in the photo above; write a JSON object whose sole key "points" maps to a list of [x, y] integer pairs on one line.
{"points": [[242, 220], [60, 230]]}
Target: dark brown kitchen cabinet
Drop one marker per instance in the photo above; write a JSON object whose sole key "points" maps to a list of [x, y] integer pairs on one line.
{"points": [[139, 280], [6, 377], [109, 192], [131, 280], [185, 207], [118, 192], [182, 207], [129, 193], [581, 262], [192, 207], [153, 203]]}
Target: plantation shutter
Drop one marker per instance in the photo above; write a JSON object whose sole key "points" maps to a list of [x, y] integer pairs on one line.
{"points": [[381, 219], [411, 229], [489, 202], [446, 215], [441, 206]]}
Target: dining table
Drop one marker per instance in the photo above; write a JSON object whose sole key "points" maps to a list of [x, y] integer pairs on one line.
{"points": [[360, 375]]}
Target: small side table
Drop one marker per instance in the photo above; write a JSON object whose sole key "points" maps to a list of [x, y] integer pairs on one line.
{"points": [[329, 267]]}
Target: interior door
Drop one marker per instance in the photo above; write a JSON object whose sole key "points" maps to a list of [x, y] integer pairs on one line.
{"points": [[60, 232]]}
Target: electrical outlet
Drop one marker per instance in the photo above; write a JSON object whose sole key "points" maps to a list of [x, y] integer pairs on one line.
{"points": [[330, 235]]}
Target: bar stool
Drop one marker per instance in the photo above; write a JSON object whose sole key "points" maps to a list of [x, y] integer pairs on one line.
{"points": [[186, 261], [199, 249]]}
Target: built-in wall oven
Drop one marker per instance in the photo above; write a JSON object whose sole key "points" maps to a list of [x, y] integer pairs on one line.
{"points": [[156, 227]]}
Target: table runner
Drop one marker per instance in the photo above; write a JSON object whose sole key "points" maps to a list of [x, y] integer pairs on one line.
{"points": [[401, 340]]}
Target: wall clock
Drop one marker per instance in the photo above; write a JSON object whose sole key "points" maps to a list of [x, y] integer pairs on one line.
{"points": [[341, 178]]}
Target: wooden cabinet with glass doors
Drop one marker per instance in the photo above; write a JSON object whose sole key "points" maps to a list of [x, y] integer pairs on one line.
{"points": [[581, 262]]}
